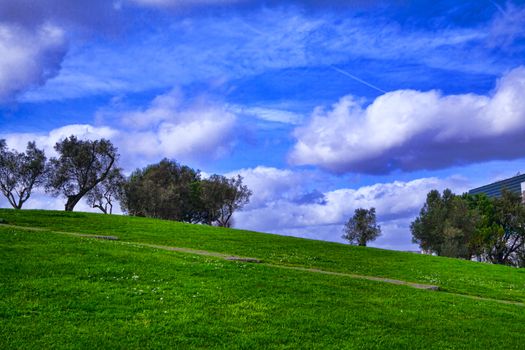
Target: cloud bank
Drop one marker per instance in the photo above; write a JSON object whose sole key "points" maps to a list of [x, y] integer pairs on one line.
{"points": [[280, 204], [168, 127], [171, 128], [48, 140], [410, 130], [28, 57]]}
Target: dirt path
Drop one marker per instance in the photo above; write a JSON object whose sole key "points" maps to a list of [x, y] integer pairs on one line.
{"points": [[196, 251], [255, 260], [297, 268], [76, 234], [364, 277]]}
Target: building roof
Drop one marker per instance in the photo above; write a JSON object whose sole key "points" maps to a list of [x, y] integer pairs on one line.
{"points": [[494, 189]]}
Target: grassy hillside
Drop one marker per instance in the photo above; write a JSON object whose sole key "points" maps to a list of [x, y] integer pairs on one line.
{"points": [[66, 291]]}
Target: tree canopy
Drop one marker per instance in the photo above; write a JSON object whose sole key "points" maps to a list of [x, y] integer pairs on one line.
{"points": [[20, 173], [168, 190], [446, 225], [221, 197], [81, 165], [490, 229], [506, 239], [362, 227]]}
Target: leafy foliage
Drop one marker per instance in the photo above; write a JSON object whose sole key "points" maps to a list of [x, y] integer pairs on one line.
{"points": [[168, 190], [491, 229], [81, 165], [20, 173], [446, 225], [362, 227], [221, 197], [507, 243]]}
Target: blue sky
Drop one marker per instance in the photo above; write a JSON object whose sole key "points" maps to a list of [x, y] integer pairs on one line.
{"points": [[322, 107]]}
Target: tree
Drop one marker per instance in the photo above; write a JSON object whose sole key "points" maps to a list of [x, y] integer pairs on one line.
{"points": [[446, 225], [166, 190], [171, 191], [507, 240], [103, 195], [221, 197], [81, 165], [362, 227], [21, 172]]}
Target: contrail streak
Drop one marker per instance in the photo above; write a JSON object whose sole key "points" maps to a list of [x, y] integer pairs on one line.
{"points": [[500, 9], [358, 79]]}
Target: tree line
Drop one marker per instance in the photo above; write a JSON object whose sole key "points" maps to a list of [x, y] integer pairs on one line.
{"points": [[460, 226], [86, 169], [473, 227]]}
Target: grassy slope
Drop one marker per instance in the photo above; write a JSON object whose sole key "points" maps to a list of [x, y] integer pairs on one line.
{"points": [[58, 291], [451, 275]]}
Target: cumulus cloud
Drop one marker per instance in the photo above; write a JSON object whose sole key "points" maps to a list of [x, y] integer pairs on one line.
{"points": [[29, 57], [269, 184], [275, 207], [171, 128], [48, 140], [391, 200], [411, 130], [199, 131], [33, 38], [163, 108]]}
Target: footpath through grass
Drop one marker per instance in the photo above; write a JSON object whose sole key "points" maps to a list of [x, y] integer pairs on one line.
{"points": [[452, 275], [59, 291]]}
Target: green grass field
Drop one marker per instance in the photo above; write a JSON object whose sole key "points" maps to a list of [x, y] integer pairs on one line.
{"points": [[61, 291]]}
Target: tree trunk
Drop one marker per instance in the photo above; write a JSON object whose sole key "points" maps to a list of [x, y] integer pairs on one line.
{"points": [[72, 201]]}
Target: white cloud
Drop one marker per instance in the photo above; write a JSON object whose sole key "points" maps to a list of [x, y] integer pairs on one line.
{"points": [[269, 184], [48, 140], [169, 128], [408, 130], [166, 128], [28, 57], [269, 114], [162, 108]]}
